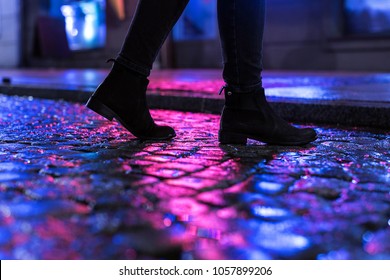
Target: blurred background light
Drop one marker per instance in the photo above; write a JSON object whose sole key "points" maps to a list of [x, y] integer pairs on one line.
{"points": [[85, 24], [367, 17], [198, 21]]}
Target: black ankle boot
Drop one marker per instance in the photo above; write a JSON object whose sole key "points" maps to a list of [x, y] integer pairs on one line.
{"points": [[122, 95], [249, 116]]}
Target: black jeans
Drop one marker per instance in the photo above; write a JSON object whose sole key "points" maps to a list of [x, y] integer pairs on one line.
{"points": [[241, 25]]}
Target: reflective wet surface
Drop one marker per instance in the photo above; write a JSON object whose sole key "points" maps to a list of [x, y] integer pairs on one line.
{"points": [[321, 85], [75, 186]]}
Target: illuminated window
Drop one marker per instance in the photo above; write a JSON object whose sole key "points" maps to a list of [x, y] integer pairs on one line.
{"points": [[368, 17], [85, 22]]}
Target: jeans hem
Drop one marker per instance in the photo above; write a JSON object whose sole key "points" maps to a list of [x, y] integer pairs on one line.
{"points": [[144, 71], [244, 89]]}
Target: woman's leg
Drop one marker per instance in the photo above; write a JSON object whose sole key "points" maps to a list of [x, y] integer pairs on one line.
{"points": [[153, 20], [241, 25], [122, 95], [246, 113]]}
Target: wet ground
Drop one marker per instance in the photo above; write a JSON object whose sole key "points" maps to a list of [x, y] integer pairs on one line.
{"points": [[75, 186]]}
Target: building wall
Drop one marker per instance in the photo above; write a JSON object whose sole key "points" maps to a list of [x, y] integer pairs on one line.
{"points": [[116, 31], [9, 33], [308, 35], [294, 35], [299, 35]]}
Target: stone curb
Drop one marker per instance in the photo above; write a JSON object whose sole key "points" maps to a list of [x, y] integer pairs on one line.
{"points": [[348, 113]]}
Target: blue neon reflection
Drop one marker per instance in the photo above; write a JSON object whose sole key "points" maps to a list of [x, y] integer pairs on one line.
{"points": [[85, 24], [368, 17]]}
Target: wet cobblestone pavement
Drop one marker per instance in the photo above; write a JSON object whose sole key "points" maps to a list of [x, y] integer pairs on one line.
{"points": [[75, 186]]}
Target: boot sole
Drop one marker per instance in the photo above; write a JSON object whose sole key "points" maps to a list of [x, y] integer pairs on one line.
{"points": [[227, 137], [103, 110]]}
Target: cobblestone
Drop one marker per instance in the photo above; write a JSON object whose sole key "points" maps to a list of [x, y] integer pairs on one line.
{"points": [[75, 186]]}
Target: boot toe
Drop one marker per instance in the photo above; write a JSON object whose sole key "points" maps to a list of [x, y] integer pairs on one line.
{"points": [[159, 133], [166, 132], [308, 135], [298, 137]]}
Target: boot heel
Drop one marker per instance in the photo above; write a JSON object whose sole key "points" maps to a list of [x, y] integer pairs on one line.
{"points": [[98, 107], [231, 138]]}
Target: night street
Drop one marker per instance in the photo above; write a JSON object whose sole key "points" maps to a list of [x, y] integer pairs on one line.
{"points": [[193, 138], [75, 186]]}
